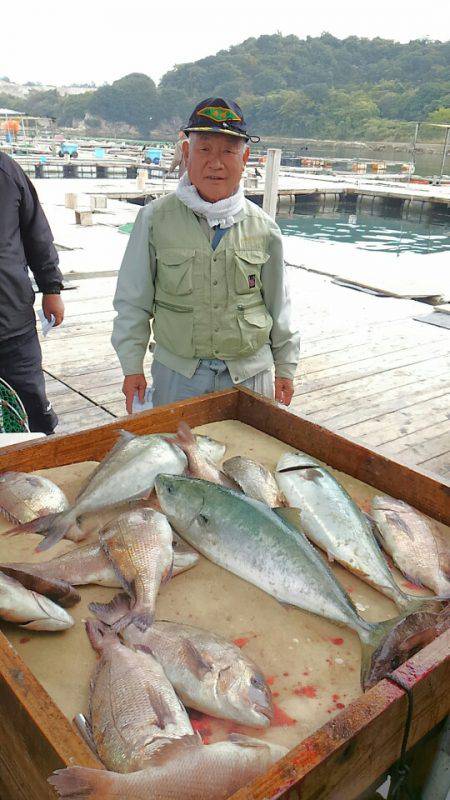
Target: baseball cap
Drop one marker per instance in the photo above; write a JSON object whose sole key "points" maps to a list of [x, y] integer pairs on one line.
{"points": [[216, 115]]}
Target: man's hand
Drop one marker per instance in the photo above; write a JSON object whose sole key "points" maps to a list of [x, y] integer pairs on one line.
{"points": [[52, 304], [284, 389], [133, 384]]}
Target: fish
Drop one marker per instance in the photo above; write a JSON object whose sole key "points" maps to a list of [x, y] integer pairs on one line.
{"points": [[332, 520], [415, 542], [255, 480], [29, 609], [133, 709], [179, 771], [24, 496], [199, 465], [88, 564], [126, 474], [209, 448], [55, 588], [208, 673], [252, 541], [139, 546]]}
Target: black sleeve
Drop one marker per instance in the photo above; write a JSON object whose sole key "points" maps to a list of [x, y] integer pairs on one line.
{"points": [[37, 239]]}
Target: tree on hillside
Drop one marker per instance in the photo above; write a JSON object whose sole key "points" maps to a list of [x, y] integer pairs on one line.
{"points": [[132, 99]]}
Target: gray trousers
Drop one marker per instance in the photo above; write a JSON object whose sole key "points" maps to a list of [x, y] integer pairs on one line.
{"points": [[211, 375]]}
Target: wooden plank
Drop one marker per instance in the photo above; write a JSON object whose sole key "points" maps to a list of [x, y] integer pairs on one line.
{"points": [[35, 737], [338, 374], [385, 402], [418, 488], [384, 428], [322, 399], [431, 447], [440, 465], [96, 442], [347, 754], [416, 438]]}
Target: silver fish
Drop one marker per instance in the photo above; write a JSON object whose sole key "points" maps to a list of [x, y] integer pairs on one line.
{"points": [[330, 518], [89, 564], [415, 542], [23, 497], [207, 672], [126, 474], [250, 540], [139, 546], [177, 772], [200, 466], [29, 609], [133, 709], [255, 480]]}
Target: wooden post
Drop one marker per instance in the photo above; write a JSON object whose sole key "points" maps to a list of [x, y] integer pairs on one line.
{"points": [[271, 186]]}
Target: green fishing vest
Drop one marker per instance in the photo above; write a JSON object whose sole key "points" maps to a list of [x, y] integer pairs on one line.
{"points": [[208, 303]]}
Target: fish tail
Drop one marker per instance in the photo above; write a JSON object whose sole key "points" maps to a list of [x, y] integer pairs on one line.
{"points": [[112, 612], [142, 621], [413, 604], [97, 633], [184, 437], [63, 525], [386, 645], [38, 525], [81, 783]]}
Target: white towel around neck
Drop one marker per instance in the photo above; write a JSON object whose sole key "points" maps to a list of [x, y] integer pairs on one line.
{"points": [[222, 213]]}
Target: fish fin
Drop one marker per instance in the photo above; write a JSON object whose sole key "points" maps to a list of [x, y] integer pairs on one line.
{"points": [[411, 579], [104, 543], [60, 527], [168, 573], [330, 556], [84, 728], [55, 589], [418, 640], [246, 741], [172, 749], [81, 783], [198, 662], [111, 612], [184, 435], [291, 515], [38, 525], [97, 633]]}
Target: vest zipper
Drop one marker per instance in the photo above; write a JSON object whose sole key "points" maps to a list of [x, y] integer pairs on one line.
{"points": [[171, 307]]}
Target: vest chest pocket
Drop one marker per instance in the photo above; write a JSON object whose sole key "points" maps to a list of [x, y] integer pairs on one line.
{"points": [[247, 271], [174, 271]]}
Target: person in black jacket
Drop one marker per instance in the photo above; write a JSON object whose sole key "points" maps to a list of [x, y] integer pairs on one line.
{"points": [[25, 241]]}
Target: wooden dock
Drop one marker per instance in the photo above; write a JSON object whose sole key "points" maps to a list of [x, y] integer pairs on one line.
{"points": [[368, 369]]}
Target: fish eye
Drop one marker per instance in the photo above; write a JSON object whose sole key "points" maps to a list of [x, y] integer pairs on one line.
{"points": [[170, 489]]}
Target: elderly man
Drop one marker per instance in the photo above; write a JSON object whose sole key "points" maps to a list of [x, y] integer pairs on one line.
{"points": [[206, 266]]}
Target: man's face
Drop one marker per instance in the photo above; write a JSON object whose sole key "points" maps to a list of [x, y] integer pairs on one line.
{"points": [[215, 163]]}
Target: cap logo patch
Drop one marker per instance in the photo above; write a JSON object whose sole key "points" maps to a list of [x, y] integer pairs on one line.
{"points": [[219, 114]]}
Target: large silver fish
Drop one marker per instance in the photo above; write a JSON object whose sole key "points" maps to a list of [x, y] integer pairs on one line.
{"points": [[250, 540], [209, 448], [89, 564], [139, 546], [133, 709], [207, 672], [415, 542], [126, 474], [255, 480], [29, 609], [180, 771], [332, 520], [23, 497]]}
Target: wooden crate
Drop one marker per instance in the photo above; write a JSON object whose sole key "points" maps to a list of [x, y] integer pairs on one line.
{"points": [[347, 754]]}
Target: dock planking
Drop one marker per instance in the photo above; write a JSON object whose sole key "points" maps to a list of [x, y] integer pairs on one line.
{"points": [[368, 370]]}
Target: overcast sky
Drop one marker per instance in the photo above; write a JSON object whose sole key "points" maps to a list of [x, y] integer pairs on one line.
{"points": [[63, 42]]}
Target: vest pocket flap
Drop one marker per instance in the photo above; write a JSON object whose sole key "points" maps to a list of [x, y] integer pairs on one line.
{"points": [[175, 257], [255, 316], [253, 256]]}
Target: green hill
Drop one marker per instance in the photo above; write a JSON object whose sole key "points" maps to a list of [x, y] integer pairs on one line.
{"points": [[319, 87]]}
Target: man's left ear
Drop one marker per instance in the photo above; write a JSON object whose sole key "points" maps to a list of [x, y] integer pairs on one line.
{"points": [[185, 149], [246, 155]]}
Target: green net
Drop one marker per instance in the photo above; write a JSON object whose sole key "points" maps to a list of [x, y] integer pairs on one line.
{"points": [[13, 418]]}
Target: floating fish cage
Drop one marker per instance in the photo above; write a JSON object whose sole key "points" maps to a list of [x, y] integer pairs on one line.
{"points": [[340, 740]]}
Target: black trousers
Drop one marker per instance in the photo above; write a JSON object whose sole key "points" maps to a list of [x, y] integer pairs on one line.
{"points": [[21, 367]]}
